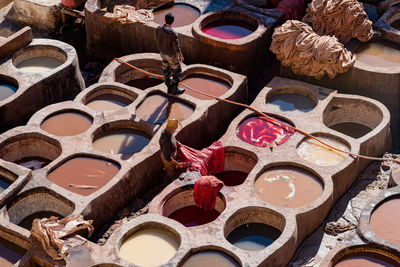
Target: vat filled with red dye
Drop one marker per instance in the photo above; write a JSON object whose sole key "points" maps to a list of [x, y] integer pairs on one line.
{"points": [[264, 132]]}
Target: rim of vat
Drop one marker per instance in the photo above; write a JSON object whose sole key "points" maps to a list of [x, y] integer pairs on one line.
{"points": [[244, 152], [36, 50], [12, 141], [337, 102], [19, 177], [185, 188], [179, 3], [109, 127], [326, 182], [377, 69], [210, 17], [22, 198], [256, 214], [10, 80], [200, 69], [364, 228], [344, 249], [99, 156], [292, 89], [106, 89], [177, 98], [127, 229], [142, 60], [393, 15], [209, 248]]}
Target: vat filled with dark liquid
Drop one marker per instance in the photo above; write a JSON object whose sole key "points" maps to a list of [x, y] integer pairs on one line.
{"points": [[193, 216], [144, 83], [4, 183], [253, 236], [232, 178], [33, 163], [28, 220], [353, 129], [10, 253]]}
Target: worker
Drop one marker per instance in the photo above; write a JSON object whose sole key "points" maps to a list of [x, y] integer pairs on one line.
{"points": [[169, 152], [171, 55]]}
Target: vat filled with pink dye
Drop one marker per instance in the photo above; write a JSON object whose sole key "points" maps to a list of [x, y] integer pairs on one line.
{"points": [[229, 29]]}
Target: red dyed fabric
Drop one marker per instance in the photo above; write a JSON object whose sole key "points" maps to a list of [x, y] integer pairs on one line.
{"points": [[206, 161], [263, 132], [293, 9], [206, 189]]}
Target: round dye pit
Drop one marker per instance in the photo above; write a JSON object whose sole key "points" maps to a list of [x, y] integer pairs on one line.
{"points": [[319, 154], [108, 102], [353, 129], [228, 29], [288, 187], [206, 84], [27, 221], [263, 132], [378, 54], [293, 103], [6, 90], [253, 236], [33, 163], [66, 124], [149, 247], [232, 178], [193, 216], [157, 109], [184, 14], [366, 259], [83, 175], [385, 220], [396, 24], [9, 253], [144, 83], [210, 258], [4, 184], [39, 64], [123, 141]]}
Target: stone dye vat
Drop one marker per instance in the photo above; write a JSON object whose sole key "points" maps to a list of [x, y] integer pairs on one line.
{"points": [[205, 84], [184, 14], [240, 55], [10, 253], [288, 187], [157, 108], [228, 29], [42, 84], [210, 258], [377, 66], [67, 123], [389, 23], [139, 248], [83, 175]]}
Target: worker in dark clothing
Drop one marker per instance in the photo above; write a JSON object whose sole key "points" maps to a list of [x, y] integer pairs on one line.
{"points": [[171, 55], [169, 152]]}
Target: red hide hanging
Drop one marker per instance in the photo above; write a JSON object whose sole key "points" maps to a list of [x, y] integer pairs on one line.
{"points": [[206, 189], [209, 160]]}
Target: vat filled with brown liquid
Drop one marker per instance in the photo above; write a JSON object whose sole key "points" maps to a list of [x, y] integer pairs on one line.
{"points": [[144, 83], [83, 175], [366, 259], [108, 102], [210, 258], [353, 129], [184, 14], [385, 220], [158, 108], [205, 84], [66, 123], [122, 141], [288, 187]]}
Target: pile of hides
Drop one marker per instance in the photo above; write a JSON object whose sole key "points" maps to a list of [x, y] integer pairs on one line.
{"points": [[344, 19], [140, 4], [209, 160], [57, 235], [206, 190], [296, 45], [129, 14]]}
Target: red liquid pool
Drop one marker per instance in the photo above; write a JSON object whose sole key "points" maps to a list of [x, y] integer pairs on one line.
{"points": [[228, 29], [193, 216], [261, 131], [232, 178]]}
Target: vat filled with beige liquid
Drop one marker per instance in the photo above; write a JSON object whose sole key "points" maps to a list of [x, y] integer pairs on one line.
{"points": [[83, 175], [379, 54], [67, 123], [317, 153], [106, 102], [39, 64], [157, 108], [288, 186], [149, 247]]}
